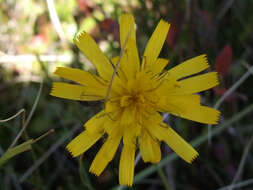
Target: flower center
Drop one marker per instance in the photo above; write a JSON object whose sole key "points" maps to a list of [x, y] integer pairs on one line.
{"points": [[138, 93], [131, 100]]}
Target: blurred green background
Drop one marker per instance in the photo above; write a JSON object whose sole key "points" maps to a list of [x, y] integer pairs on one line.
{"points": [[36, 37]]}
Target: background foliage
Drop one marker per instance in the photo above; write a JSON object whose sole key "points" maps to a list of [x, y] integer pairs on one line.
{"points": [[34, 40]]}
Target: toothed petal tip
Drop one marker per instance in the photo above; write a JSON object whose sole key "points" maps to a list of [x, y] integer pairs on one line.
{"points": [[194, 158]]}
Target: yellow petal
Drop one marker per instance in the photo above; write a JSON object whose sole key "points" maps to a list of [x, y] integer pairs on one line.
{"points": [[129, 62], [149, 148], [112, 106], [166, 84], [112, 120], [128, 39], [82, 77], [126, 165], [91, 50], [158, 66], [77, 92], [103, 120], [155, 44], [202, 114], [83, 142], [154, 119], [127, 28], [107, 152], [95, 124], [131, 129], [189, 67], [189, 107], [168, 102], [195, 84], [175, 142], [130, 125]]}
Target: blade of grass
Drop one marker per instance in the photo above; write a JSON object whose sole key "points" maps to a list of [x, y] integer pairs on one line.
{"points": [[84, 176], [242, 163], [238, 185], [29, 116], [37, 177], [225, 8], [14, 116], [163, 177], [20, 148], [15, 151], [50, 151]]}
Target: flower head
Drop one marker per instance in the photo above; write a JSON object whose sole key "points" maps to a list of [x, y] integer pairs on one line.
{"points": [[135, 93]]}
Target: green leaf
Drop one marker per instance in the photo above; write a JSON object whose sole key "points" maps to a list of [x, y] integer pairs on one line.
{"points": [[15, 151]]}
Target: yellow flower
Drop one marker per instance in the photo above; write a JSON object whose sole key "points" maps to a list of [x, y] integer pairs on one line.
{"points": [[134, 98]]}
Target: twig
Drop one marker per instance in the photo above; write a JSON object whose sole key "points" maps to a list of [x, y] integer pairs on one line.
{"points": [[247, 66], [137, 159], [228, 93], [234, 87], [29, 116], [12, 117], [47, 154], [239, 185], [242, 163], [224, 9], [55, 20], [44, 135]]}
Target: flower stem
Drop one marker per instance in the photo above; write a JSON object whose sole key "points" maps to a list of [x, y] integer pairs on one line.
{"points": [[163, 177], [83, 175]]}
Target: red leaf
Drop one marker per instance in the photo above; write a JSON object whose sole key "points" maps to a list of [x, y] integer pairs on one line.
{"points": [[110, 26], [233, 96], [219, 91], [175, 29], [171, 36], [86, 6], [223, 61]]}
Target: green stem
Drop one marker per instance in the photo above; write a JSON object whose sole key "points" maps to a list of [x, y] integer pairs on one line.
{"points": [[37, 178], [163, 177], [83, 175]]}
